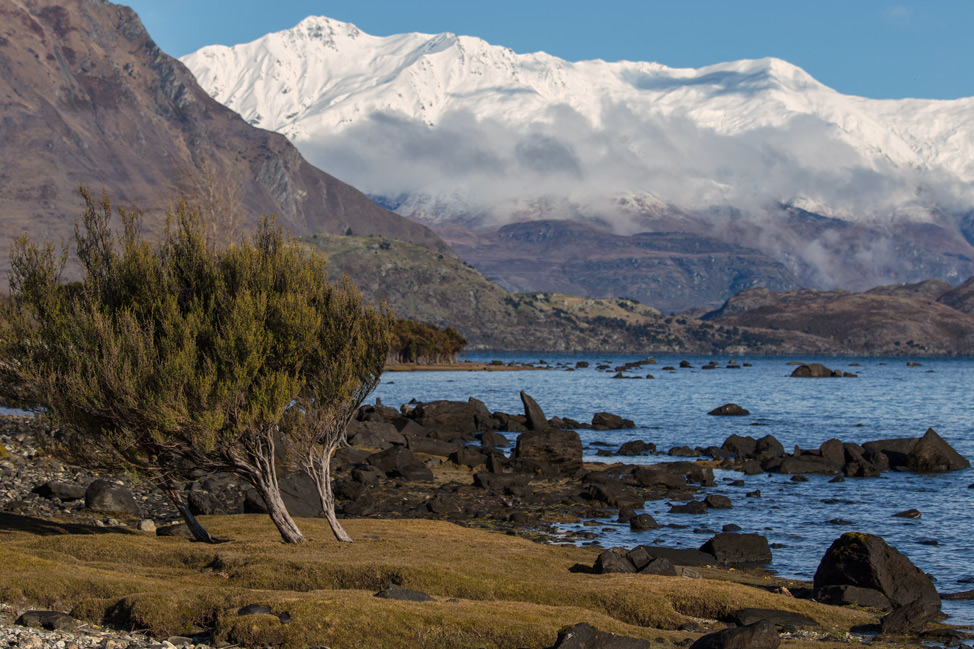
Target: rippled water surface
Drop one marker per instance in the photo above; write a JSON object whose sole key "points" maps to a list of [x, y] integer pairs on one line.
{"points": [[889, 399]]}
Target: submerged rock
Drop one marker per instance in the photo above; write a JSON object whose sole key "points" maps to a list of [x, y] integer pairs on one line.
{"points": [[729, 410]]}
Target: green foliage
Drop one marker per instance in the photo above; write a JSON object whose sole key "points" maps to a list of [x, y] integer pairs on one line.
{"points": [[416, 342], [177, 350]]}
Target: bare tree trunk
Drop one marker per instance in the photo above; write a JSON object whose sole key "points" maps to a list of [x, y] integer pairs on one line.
{"points": [[322, 480], [278, 512], [265, 481], [195, 527]]}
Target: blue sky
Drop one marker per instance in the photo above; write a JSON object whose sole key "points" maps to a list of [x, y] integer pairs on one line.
{"points": [[871, 48]]}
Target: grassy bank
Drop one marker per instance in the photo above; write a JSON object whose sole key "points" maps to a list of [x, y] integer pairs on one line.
{"points": [[493, 590]]}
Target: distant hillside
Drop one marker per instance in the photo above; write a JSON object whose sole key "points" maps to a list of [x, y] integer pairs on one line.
{"points": [[904, 319], [86, 96], [670, 270], [430, 287]]}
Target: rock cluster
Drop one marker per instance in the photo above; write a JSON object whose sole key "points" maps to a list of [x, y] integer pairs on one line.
{"points": [[724, 549], [926, 454]]}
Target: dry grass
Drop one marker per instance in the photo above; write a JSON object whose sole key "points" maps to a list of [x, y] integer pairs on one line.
{"points": [[493, 590]]}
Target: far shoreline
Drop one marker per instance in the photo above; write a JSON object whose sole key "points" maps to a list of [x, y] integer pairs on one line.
{"points": [[460, 366]]}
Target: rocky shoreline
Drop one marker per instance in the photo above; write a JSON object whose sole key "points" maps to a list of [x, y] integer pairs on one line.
{"points": [[444, 460]]}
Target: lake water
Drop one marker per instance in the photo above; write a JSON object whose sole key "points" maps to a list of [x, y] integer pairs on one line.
{"points": [[889, 399]]}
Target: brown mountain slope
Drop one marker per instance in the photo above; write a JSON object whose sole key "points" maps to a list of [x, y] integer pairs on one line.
{"points": [[424, 285], [900, 320], [87, 97], [670, 270], [960, 298]]}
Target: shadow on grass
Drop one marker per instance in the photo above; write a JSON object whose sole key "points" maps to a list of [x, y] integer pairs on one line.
{"points": [[41, 527]]}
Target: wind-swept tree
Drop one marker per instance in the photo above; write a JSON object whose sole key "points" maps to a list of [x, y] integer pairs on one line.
{"points": [[111, 357], [346, 365], [176, 354]]}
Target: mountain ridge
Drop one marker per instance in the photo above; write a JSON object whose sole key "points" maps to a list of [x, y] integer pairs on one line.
{"points": [[450, 130], [86, 97]]}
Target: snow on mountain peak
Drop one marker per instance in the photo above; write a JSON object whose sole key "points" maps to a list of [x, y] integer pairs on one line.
{"points": [[479, 128]]}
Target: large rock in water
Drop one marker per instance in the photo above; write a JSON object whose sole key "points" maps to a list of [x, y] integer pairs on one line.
{"points": [[931, 454], [928, 454], [533, 413], [562, 449], [866, 561], [729, 410], [732, 549], [812, 371]]}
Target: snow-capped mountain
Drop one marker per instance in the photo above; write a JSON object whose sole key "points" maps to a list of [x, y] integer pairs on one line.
{"points": [[450, 129]]}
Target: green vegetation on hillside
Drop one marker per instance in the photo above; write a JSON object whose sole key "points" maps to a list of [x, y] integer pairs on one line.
{"points": [[416, 342]]}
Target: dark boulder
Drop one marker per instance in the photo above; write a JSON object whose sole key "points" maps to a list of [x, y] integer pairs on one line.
{"points": [[415, 472], [202, 503], [695, 507], [802, 464], [50, 620], [847, 595], [510, 423], [833, 452], [374, 434], [455, 416], [63, 491], [104, 496], [931, 454], [533, 414], [740, 445], [812, 371], [866, 561], [254, 609], [653, 476], [780, 618], [404, 594], [659, 566], [729, 410], [716, 501], [896, 450], [641, 555], [760, 635], [430, 446], [499, 481], [612, 561], [391, 459], [909, 513], [615, 494], [561, 449], [636, 447], [733, 549], [468, 457], [695, 473], [769, 446], [642, 522], [493, 439], [443, 503], [608, 421], [584, 636], [908, 620]]}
